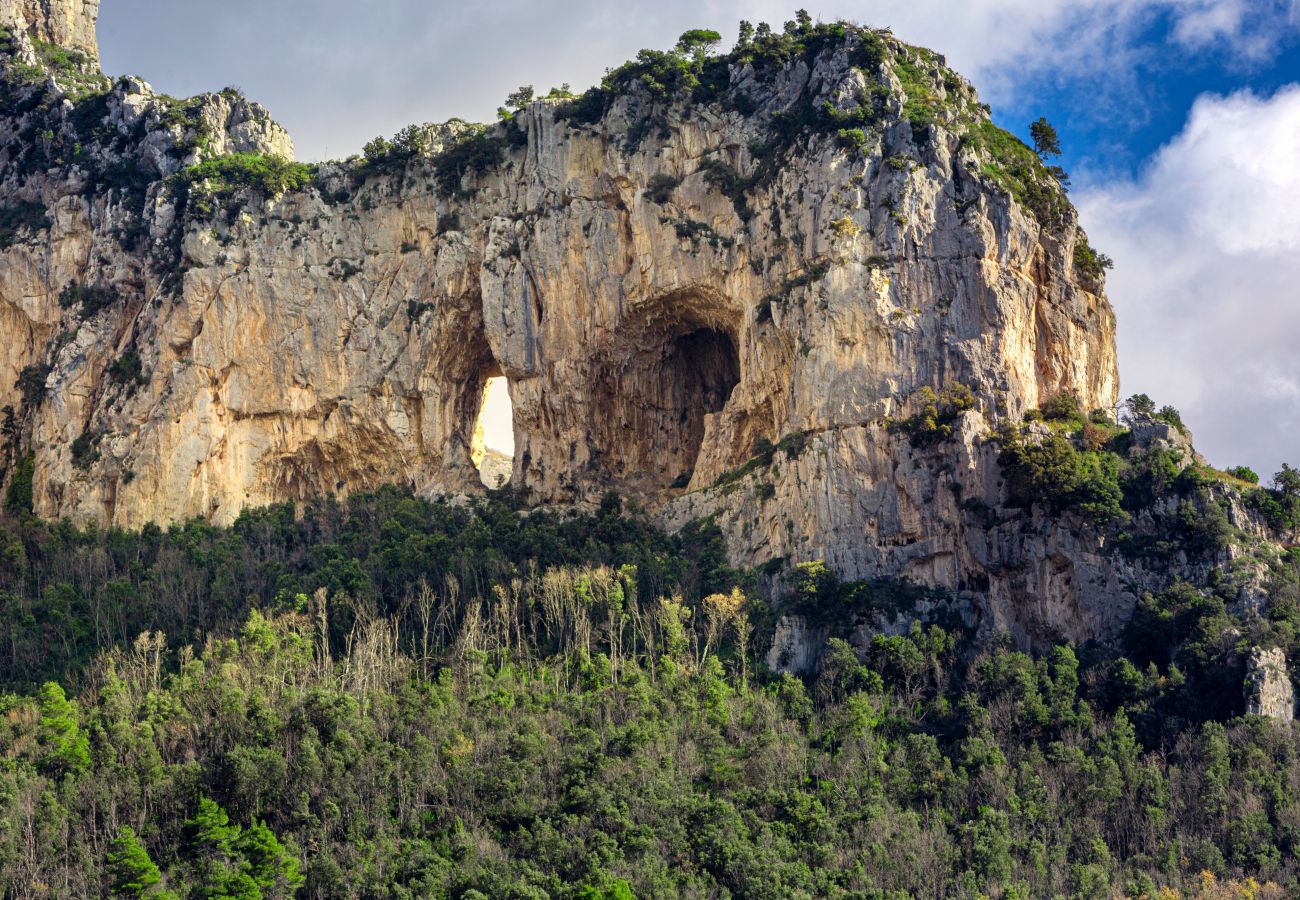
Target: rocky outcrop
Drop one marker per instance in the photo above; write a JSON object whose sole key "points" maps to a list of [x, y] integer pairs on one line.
{"points": [[861, 500], [773, 263], [796, 646], [655, 325], [1268, 686]]}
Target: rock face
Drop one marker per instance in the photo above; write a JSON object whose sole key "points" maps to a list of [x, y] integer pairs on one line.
{"points": [[858, 498], [672, 283], [1268, 687], [796, 646], [68, 23]]}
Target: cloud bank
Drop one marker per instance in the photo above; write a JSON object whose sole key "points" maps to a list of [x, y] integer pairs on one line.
{"points": [[1206, 284]]}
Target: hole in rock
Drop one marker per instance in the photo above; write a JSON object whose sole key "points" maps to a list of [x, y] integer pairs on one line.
{"points": [[699, 373], [492, 447]]}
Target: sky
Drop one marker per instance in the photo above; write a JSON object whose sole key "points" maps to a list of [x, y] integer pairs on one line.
{"points": [[498, 433], [1180, 121]]}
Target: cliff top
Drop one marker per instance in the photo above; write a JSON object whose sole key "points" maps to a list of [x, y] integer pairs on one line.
{"points": [[838, 80]]}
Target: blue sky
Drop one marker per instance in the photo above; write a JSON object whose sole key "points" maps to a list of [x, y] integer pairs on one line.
{"points": [[1113, 116], [1180, 121]]}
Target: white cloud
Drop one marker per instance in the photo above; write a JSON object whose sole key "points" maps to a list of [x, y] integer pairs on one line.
{"points": [[1252, 27], [1207, 275]]}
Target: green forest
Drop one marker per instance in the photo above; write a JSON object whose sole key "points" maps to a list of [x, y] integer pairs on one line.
{"points": [[394, 697]]}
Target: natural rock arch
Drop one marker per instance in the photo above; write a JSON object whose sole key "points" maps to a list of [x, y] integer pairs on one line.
{"points": [[478, 367]]}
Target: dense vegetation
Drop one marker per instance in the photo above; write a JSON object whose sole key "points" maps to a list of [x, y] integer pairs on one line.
{"points": [[67, 594], [1084, 463], [217, 180], [398, 698]]}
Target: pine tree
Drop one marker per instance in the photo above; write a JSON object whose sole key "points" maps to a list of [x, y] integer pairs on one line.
{"points": [[698, 42], [745, 35], [67, 749], [222, 871], [272, 868], [212, 829], [239, 863], [1046, 141], [132, 871]]}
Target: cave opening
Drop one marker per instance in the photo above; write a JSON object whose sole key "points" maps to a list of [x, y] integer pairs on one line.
{"points": [[700, 371], [492, 447]]}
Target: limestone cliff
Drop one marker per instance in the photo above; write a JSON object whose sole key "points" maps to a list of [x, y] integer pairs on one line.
{"points": [[66, 23], [704, 262]]}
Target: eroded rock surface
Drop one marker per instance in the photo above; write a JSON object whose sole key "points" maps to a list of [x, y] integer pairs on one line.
{"points": [[672, 285], [1268, 686], [796, 646], [67, 23]]}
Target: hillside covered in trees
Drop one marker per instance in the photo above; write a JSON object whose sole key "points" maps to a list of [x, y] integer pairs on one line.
{"points": [[398, 698]]}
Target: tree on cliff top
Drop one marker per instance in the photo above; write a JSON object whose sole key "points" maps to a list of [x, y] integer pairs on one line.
{"points": [[698, 42], [1046, 141]]}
